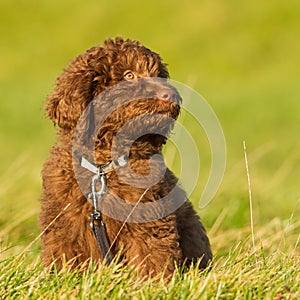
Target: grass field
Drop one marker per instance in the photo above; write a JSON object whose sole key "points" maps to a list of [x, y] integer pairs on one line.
{"points": [[243, 57]]}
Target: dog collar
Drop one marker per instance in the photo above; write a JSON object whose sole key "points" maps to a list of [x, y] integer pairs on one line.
{"points": [[105, 168]]}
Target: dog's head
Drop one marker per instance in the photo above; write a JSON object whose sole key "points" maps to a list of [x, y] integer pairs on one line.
{"points": [[138, 115], [96, 70]]}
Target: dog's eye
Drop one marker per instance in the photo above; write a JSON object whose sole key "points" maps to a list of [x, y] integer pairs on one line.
{"points": [[129, 75]]}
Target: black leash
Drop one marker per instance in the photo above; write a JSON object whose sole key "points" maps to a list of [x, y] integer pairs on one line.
{"points": [[99, 230], [96, 222]]}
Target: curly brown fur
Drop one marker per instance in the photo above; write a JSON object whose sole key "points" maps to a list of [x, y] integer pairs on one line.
{"points": [[179, 238]]}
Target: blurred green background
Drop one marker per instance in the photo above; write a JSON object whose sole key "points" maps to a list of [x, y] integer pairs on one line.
{"points": [[243, 57]]}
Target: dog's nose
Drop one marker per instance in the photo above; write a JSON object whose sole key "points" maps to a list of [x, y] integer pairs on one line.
{"points": [[165, 94]]}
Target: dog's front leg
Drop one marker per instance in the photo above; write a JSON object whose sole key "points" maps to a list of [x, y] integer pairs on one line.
{"points": [[152, 247]]}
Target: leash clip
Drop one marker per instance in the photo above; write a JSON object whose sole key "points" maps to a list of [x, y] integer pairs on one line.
{"points": [[96, 196]]}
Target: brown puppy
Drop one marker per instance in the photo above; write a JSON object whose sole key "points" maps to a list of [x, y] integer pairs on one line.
{"points": [[156, 239]]}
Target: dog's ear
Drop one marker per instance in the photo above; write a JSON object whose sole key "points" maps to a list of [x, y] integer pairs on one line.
{"points": [[77, 86]]}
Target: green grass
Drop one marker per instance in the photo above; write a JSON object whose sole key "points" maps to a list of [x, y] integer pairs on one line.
{"points": [[244, 273], [243, 57]]}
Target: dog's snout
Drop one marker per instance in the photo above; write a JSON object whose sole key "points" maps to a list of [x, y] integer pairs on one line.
{"points": [[165, 94], [169, 94]]}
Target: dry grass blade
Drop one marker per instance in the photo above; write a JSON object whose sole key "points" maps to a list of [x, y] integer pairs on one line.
{"points": [[124, 223], [250, 195]]}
